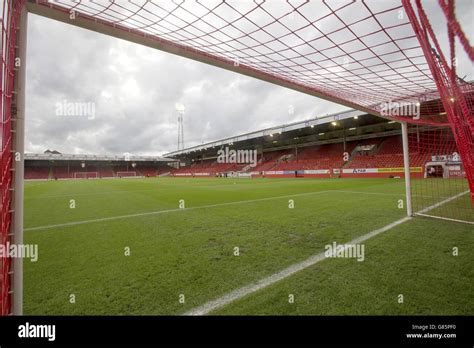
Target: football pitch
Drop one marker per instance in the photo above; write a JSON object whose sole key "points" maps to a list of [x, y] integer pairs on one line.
{"points": [[171, 246]]}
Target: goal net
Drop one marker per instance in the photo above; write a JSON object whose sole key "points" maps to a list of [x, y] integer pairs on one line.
{"points": [[85, 175], [445, 188], [126, 174], [440, 188]]}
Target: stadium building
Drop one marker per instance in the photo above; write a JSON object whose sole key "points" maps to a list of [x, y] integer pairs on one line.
{"points": [[62, 166], [343, 145]]}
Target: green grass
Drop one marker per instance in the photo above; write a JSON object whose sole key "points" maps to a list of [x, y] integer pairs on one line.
{"points": [[415, 260], [190, 251]]}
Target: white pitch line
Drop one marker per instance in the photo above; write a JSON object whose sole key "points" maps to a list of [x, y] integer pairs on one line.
{"points": [[445, 218], [210, 186], [265, 282], [158, 212], [74, 223], [237, 294]]}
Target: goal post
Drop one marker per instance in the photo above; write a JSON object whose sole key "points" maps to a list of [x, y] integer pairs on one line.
{"points": [[406, 164], [18, 131]]}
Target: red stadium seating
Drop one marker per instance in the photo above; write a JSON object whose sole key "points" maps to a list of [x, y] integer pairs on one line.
{"points": [[36, 173], [386, 152]]}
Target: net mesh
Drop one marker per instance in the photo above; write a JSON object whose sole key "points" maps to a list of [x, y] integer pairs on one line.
{"points": [[456, 94], [440, 189], [361, 54], [365, 54]]}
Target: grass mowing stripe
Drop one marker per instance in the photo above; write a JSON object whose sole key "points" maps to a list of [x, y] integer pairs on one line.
{"points": [[74, 223], [263, 283], [43, 211], [190, 253], [86, 194], [274, 278]]}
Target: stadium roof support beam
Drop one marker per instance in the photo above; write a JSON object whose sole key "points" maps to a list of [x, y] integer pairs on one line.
{"points": [[61, 14]]}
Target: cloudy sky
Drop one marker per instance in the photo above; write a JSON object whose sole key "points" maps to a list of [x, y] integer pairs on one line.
{"points": [[134, 90]]}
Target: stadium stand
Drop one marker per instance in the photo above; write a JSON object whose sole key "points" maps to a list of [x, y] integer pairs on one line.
{"points": [[146, 171], [57, 166], [32, 173], [376, 155]]}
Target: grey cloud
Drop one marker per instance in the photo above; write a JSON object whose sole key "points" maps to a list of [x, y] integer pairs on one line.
{"points": [[134, 89]]}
